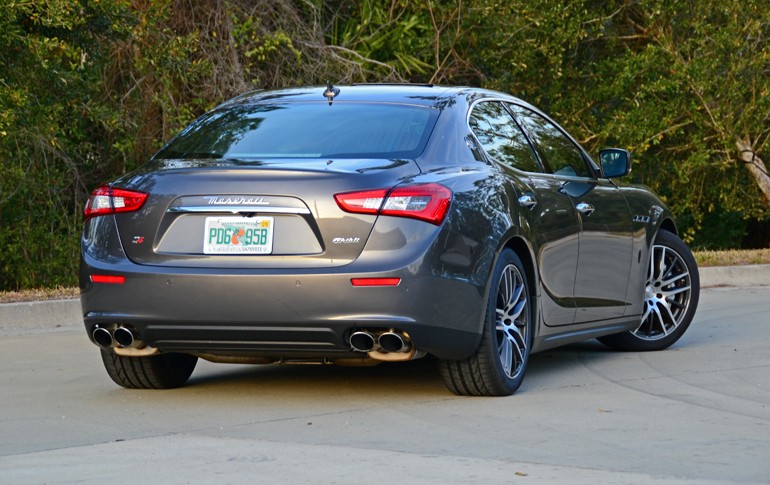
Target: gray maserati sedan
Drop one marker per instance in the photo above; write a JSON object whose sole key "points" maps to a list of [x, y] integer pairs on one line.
{"points": [[377, 223]]}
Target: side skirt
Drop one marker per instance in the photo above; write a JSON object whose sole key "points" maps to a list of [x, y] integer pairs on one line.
{"points": [[572, 334]]}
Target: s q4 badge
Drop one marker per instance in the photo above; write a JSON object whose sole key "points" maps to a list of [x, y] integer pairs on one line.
{"points": [[138, 240]]}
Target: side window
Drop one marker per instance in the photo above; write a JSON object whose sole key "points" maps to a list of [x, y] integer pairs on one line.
{"points": [[501, 137], [560, 153]]}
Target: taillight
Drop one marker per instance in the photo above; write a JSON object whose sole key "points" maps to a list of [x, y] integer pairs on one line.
{"points": [[109, 200], [426, 202]]}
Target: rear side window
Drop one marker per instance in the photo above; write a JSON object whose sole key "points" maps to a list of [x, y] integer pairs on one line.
{"points": [[560, 153], [501, 137], [307, 130]]}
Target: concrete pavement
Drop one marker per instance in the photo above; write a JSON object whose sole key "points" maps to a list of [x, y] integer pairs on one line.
{"points": [[696, 413]]}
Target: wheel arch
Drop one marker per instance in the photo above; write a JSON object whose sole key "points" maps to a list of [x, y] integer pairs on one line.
{"points": [[521, 247], [669, 225]]}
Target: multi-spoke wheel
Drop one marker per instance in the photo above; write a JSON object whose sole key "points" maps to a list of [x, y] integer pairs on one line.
{"points": [[497, 368], [671, 296]]}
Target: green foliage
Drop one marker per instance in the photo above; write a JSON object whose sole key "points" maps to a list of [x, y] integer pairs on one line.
{"points": [[390, 37], [676, 82], [90, 89], [51, 56]]}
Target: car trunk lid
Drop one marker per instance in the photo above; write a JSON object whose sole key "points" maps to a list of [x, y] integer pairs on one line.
{"points": [[266, 214]]}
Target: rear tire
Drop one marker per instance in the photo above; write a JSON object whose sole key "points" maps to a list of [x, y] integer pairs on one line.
{"points": [[162, 371], [497, 368], [671, 298]]}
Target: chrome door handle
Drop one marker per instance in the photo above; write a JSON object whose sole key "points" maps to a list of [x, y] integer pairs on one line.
{"points": [[585, 209], [527, 201]]}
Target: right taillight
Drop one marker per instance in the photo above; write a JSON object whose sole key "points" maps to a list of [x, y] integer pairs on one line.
{"points": [[109, 200], [426, 202]]}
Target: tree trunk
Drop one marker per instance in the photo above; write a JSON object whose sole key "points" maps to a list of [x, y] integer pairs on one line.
{"points": [[755, 165]]}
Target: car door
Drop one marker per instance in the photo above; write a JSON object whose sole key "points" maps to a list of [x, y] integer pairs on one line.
{"points": [[548, 213], [606, 238]]}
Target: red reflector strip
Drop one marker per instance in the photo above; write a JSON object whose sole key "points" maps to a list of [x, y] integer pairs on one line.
{"points": [[375, 281], [109, 279]]}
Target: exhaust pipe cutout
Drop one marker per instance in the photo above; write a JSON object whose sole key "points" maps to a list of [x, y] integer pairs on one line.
{"points": [[103, 338], [362, 341]]}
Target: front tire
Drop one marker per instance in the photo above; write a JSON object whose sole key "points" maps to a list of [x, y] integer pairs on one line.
{"points": [[497, 368], [672, 290], [162, 371]]}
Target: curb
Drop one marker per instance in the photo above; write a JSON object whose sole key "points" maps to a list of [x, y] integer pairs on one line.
{"points": [[32, 316], [45, 316], [739, 276]]}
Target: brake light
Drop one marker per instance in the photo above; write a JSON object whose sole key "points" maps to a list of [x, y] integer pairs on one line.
{"points": [[108, 200], [426, 202]]}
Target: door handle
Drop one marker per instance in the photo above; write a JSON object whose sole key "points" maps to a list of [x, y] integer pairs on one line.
{"points": [[585, 209], [527, 201]]}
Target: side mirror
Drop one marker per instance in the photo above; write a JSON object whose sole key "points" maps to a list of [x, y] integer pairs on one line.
{"points": [[615, 162]]}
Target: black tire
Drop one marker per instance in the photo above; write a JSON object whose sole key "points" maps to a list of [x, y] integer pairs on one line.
{"points": [[497, 368], [162, 371], [671, 298]]}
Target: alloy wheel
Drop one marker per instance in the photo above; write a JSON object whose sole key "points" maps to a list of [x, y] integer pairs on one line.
{"points": [[511, 321], [667, 294]]}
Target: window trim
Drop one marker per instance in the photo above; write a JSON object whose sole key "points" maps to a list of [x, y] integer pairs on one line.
{"points": [[594, 172], [487, 155]]}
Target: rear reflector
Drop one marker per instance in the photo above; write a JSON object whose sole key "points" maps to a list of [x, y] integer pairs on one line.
{"points": [[109, 200], [375, 281], [426, 202], [109, 279]]}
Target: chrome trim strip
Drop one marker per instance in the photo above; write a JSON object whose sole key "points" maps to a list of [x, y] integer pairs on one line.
{"points": [[235, 209]]}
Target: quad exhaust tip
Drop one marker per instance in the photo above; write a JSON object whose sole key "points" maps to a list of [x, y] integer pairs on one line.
{"points": [[362, 341], [391, 341], [103, 338], [116, 337], [124, 337]]}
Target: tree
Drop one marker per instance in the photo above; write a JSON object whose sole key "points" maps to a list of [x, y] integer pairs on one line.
{"points": [[680, 83]]}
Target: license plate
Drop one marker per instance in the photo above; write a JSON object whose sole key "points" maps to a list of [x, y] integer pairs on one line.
{"points": [[238, 235]]}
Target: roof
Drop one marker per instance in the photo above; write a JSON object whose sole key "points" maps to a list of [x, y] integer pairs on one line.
{"points": [[422, 94]]}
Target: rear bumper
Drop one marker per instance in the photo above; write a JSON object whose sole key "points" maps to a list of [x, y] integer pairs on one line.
{"points": [[282, 313]]}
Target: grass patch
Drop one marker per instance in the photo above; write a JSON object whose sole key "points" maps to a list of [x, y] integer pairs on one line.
{"points": [[39, 294], [731, 257]]}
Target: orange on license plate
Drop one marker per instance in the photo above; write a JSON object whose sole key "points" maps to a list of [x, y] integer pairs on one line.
{"points": [[238, 235]]}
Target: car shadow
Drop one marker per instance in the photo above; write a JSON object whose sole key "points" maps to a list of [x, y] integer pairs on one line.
{"points": [[415, 378], [419, 377]]}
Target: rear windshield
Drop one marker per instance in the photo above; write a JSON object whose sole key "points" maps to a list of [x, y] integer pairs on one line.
{"points": [[306, 130]]}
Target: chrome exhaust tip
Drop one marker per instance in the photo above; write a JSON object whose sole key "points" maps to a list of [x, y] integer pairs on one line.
{"points": [[124, 337], [362, 341], [393, 342], [103, 338]]}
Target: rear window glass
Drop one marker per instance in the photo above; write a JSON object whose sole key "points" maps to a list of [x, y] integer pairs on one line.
{"points": [[306, 130]]}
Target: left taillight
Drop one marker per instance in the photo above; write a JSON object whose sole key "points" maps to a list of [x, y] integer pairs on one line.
{"points": [[109, 200], [426, 202]]}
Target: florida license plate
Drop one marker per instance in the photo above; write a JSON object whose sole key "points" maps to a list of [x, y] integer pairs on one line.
{"points": [[238, 235]]}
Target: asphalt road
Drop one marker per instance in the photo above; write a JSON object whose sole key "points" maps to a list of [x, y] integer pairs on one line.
{"points": [[698, 412]]}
